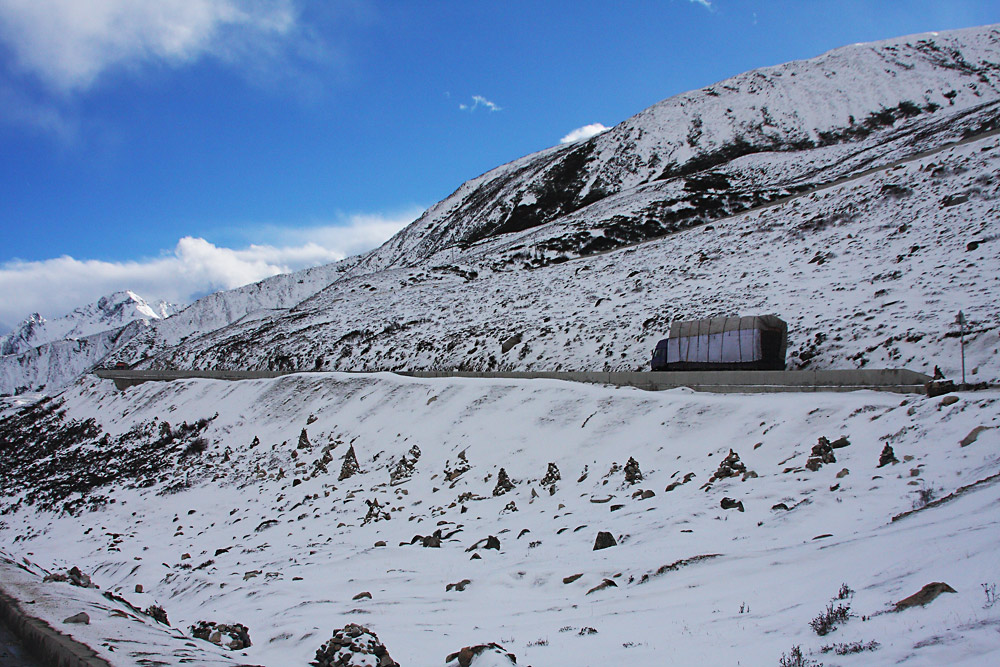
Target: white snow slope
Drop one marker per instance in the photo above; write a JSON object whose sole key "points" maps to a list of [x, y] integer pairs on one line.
{"points": [[259, 529]]}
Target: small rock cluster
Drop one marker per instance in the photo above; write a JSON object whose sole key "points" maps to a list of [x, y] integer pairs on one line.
{"points": [[74, 576], [887, 456], [503, 483], [469, 653], [632, 472], [350, 466], [353, 646], [234, 637], [822, 452], [552, 476], [731, 466], [403, 470]]}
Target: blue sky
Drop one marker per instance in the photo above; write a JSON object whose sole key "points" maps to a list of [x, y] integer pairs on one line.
{"points": [[176, 147]]}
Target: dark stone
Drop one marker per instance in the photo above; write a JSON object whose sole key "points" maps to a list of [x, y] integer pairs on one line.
{"points": [[604, 540], [730, 503], [887, 456]]}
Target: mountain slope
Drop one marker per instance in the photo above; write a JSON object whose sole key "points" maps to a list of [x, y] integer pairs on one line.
{"points": [[845, 98], [231, 502], [870, 272], [779, 202]]}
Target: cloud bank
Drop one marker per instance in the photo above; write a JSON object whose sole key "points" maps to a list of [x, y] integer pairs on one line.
{"points": [[193, 268], [69, 44], [581, 133]]}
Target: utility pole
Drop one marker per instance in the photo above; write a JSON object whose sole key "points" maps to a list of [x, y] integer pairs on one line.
{"points": [[961, 333]]}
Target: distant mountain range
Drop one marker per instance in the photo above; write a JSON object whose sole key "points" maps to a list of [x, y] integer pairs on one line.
{"points": [[47, 353], [853, 194]]}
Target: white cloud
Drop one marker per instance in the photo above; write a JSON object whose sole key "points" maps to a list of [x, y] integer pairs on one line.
{"points": [[479, 101], [704, 3], [194, 267], [68, 44], [581, 133]]}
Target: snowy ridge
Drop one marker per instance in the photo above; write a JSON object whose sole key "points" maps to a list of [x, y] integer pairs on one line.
{"points": [[841, 97], [246, 508], [109, 312]]}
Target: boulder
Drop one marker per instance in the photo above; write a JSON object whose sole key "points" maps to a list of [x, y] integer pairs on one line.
{"points": [[604, 540]]}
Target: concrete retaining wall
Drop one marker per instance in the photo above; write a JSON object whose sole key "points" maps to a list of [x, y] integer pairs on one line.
{"points": [[49, 646], [893, 379]]}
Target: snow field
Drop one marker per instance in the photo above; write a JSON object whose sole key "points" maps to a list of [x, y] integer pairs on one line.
{"points": [[319, 555]]}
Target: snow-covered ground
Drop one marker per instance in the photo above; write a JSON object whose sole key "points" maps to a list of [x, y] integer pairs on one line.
{"points": [[259, 528]]}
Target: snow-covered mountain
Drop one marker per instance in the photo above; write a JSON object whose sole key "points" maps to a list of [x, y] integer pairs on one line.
{"points": [[867, 235], [49, 354], [109, 312], [853, 194]]}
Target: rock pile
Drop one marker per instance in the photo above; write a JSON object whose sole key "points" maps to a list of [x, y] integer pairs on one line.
{"points": [[822, 452], [632, 472], [731, 466], [234, 637], [353, 646], [503, 483], [469, 654], [350, 466], [74, 576], [552, 476], [887, 456]]}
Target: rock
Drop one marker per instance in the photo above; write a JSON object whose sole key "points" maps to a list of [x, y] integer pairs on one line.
{"points": [[157, 613], [403, 470], [492, 542], [82, 617], [503, 483], [843, 473], [350, 465], [925, 595], [887, 456], [939, 387], [604, 540], [364, 595], [509, 343], [571, 578], [380, 543], [138, 588], [353, 646], [632, 472], [780, 506], [459, 586], [647, 494], [601, 586], [730, 503], [234, 636], [468, 654], [950, 399], [840, 442], [973, 435]]}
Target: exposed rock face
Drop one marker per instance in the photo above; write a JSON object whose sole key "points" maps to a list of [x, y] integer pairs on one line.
{"points": [[353, 646]]}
